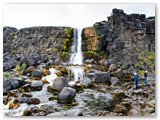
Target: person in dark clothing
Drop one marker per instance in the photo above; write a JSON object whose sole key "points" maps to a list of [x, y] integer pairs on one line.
{"points": [[145, 77], [136, 80]]}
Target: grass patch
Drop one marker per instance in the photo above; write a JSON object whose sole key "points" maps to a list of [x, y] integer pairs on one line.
{"points": [[6, 75], [92, 52]]}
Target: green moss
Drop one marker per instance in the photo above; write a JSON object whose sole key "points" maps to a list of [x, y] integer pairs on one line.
{"points": [[92, 52], [141, 72], [151, 55], [6, 75], [18, 68], [138, 64], [99, 36], [68, 31]]}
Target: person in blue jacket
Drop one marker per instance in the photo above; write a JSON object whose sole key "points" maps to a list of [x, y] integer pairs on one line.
{"points": [[136, 80], [145, 77]]}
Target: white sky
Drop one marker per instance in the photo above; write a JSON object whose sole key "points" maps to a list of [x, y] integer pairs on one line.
{"points": [[74, 15]]}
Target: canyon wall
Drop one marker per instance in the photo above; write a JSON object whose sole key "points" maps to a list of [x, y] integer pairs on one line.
{"points": [[123, 36]]}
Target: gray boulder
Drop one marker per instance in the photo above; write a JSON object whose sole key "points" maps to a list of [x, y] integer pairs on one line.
{"points": [[66, 95], [59, 83], [101, 77], [86, 82]]}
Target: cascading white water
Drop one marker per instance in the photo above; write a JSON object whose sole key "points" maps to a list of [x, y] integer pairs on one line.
{"points": [[77, 57]]}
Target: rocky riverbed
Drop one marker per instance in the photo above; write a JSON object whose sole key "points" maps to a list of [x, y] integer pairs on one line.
{"points": [[48, 71], [100, 94]]}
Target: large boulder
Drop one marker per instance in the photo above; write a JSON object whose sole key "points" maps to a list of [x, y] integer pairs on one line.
{"points": [[66, 95], [101, 77], [59, 83]]}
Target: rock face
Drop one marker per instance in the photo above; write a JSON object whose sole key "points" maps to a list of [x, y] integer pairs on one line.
{"points": [[123, 36], [36, 44]]}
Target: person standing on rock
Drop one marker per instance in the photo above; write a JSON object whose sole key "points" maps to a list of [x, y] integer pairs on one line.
{"points": [[136, 80], [145, 77]]}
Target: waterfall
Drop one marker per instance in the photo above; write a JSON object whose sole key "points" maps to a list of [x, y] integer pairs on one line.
{"points": [[76, 49], [77, 57]]}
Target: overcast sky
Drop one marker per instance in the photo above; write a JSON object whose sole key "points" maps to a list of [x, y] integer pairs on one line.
{"points": [[74, 15]]}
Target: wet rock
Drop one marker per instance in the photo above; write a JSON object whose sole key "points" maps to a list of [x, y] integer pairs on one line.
{"points": [[15, 84], [42, 66], [134, 112], [30, 69], [14, 93], [112, 67], [44, 58], [59, 83], [140, 92], [86, 82], [123, 107], [90, 74], [33, 101], [22, 100], [115, 81], [118, 95], [77, 86], [36, 85], [58, 73], [52, 98], [13, 105], [31, 109], [6, 85], [20, 80], [66, 95], [61, 68], [26, 95], [9, 63], [89, 61], [6, 99], [104, 62], [101, 77], [44, 72], [26, 87], [36, 74], [47, 108], [50, 89]]}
